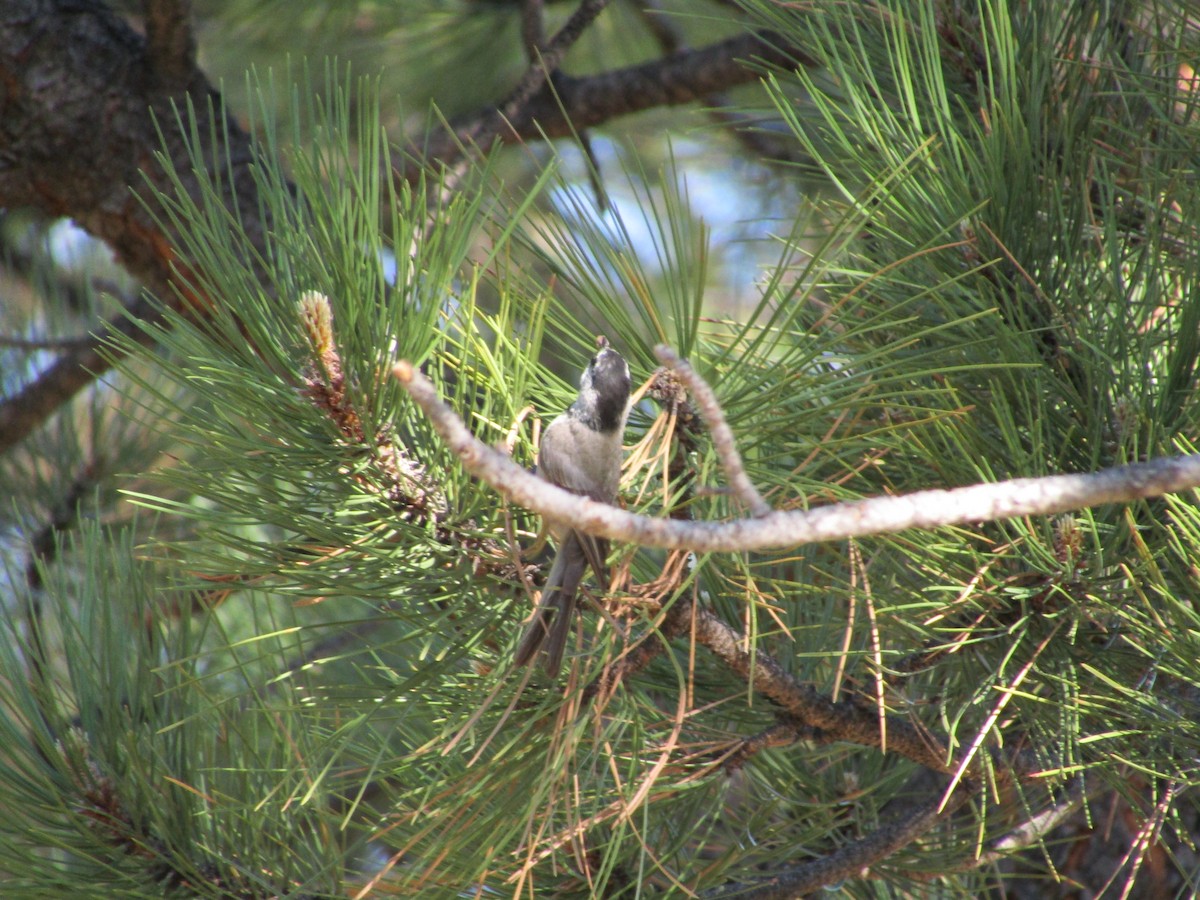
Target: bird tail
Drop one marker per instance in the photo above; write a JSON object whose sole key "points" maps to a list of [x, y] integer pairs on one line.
{"points": [[551, 623]]}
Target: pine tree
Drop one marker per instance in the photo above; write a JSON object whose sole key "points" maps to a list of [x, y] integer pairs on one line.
{"points": [[260, 644]]}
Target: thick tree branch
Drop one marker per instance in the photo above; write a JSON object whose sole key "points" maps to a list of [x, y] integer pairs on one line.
{"points": [[881, 515], [680, 78], [843, 720], [549, 59], [484, 128], [170, 43], [719, 108], [80, 95], [573, 104]]}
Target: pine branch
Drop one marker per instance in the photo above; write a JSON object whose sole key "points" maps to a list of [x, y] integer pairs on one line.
{"points": [[843, 720], [805, 711], [88, 107], [849, 861], [884, 515], [573, 104], [719, 432]]}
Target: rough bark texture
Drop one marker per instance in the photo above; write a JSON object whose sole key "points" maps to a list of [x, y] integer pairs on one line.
{"points": [[82, 100], [80, 95]]}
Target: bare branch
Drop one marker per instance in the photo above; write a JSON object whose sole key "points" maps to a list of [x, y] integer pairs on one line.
{"points": [[533, 33], [679, 78], [781, 734], [719, 431], [550, 58], [579, 103], [881, 515], [1033, 830], [494, 123]]}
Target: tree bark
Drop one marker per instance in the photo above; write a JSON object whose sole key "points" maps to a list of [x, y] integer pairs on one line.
{"points": [[86, 106]]}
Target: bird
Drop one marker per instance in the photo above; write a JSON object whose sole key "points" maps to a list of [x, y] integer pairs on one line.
{"points": [[580, 452]]}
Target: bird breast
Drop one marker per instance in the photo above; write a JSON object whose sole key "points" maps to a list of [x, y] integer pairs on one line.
{"points": [[581, 460]]}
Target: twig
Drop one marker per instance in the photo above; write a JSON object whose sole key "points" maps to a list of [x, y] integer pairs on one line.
{"points": [[783, 529], [719, 431], [325, 385], [1031, 831], [782, 734], [551, 57], [533, 27]]}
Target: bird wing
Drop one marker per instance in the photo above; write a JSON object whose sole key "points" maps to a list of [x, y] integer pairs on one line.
{"points": [[561, 469], [596, 551]]}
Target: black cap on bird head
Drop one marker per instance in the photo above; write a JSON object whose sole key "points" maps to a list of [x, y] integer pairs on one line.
{"points": [[604, 389]]}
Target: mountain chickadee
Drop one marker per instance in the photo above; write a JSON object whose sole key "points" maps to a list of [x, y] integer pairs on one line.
{"points": [[580, 452]]}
